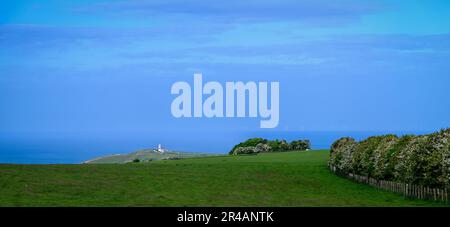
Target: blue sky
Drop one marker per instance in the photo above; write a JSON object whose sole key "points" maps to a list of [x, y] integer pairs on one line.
{"points": [[107, 66]]}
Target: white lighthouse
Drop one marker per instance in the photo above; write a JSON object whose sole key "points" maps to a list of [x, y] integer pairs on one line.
{"points": [[160, 149]]}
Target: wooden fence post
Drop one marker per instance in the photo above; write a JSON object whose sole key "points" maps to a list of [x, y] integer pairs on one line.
{"points": [[446, 196], [407, 189]]}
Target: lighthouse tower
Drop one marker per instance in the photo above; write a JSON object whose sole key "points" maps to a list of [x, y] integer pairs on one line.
{"points": [[160, 149]]}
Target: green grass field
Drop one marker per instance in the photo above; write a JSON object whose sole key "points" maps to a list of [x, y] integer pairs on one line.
{"points": [[274, 179]]}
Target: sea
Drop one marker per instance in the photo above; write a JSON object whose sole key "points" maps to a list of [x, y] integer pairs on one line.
{"points": [[73, 148]]}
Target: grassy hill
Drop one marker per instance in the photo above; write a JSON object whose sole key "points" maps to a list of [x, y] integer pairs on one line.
{"points": [[271, 179], [146, 155]]}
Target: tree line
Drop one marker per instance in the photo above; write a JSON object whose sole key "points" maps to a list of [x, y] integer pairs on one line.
{"points": [[260, 145], [420, 160]]}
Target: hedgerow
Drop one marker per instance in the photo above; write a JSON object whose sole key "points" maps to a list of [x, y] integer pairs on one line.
{"points": [[422, 160], [260, 145]]}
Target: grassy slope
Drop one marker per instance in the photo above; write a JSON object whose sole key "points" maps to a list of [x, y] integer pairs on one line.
{"points": [[278, 179], [144, 155]]}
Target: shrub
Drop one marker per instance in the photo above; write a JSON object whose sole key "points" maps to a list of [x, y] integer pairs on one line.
{"points": [[341, 153], [284, 146], [263, 148], [300, 145], [382, 155], [275, 145], [249, 143], [245, 150], [408, 166]]}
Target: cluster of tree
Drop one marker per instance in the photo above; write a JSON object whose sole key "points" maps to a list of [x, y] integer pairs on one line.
{"points": [[422, 160], [260, 145]]}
